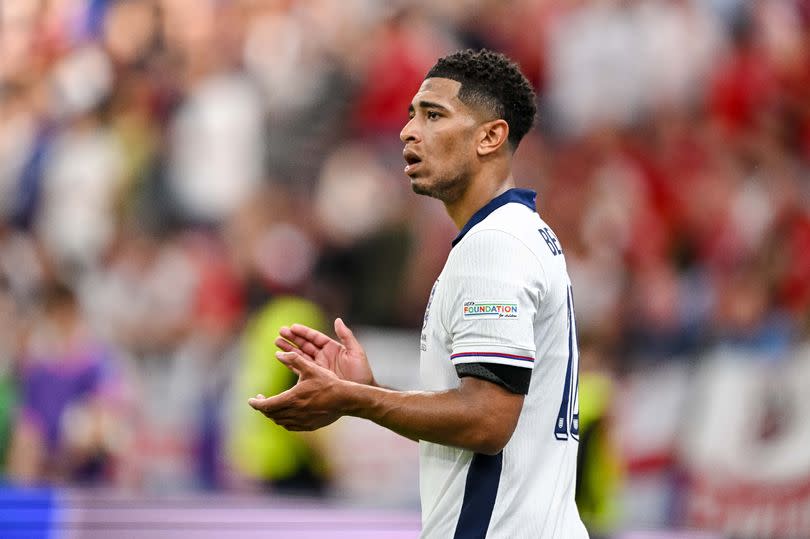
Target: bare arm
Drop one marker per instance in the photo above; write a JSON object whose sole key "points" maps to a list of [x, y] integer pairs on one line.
{"points": [[478, 415]]}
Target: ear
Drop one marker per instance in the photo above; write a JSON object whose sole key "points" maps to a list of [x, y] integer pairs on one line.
{"points": [[493, 136]]}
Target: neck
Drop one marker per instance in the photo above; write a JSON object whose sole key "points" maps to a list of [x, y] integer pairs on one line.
{"points": [[480, 191]]}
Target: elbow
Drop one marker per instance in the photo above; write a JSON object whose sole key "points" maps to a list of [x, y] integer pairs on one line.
{"points": [[491, 441], [490, 449], [491, 414]]}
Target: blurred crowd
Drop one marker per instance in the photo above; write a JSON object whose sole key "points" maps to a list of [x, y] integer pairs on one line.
{"points": [[179, 178]]}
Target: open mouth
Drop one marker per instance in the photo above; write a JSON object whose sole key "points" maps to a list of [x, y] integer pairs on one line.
{"points": [[412, 160]]}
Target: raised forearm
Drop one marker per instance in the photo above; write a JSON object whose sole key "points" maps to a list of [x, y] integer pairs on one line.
{"points": [[478, 415], [467, 418]]}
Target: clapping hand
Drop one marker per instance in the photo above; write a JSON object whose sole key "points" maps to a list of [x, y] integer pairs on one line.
{"points": [[314, 402], [346, 358]]}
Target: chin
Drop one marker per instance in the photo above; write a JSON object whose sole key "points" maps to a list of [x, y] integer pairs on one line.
{"points": [[421, 187], [448, 191]]}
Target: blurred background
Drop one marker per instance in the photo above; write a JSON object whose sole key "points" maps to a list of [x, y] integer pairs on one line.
{"points": [[180, 178]]}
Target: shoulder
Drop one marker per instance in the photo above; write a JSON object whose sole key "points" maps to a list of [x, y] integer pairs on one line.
{"points": [[507, 237], [490, 246], [509, 243], [495, 258]]}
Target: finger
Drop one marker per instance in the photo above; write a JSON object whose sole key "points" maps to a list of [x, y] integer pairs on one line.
{"points": [[316, 357], [286, 346], [293, 423], [286, 425], [290, 419], [312, 335], [270, 405], [345, 335], [259, 402], [296, 363], [302, 344]]}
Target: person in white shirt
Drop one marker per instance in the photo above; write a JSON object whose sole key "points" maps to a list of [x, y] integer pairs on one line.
{"points": [[497, 416]]}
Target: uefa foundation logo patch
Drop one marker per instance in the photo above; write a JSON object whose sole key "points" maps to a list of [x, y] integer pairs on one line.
{"points": [[490, 310]]}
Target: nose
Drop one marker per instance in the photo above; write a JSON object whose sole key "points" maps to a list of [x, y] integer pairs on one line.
{"points": [[409, 132]]}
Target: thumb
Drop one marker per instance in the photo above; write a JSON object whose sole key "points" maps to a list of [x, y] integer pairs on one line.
{"points": [[294, 362], [345, 335]]}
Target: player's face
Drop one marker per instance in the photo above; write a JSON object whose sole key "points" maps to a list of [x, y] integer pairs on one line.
{"points": [[439, 141]]}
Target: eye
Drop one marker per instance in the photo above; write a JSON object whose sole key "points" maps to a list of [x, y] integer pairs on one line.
{"points": [[432, 115]]}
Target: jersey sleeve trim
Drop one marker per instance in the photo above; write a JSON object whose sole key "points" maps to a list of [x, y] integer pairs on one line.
{"points": [[502, 355]]}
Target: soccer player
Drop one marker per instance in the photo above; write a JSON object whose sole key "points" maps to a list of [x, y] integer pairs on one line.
{"points": [[497, 417]]}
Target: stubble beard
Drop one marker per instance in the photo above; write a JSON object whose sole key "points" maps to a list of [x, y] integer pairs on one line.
{"points": [[447, 190]]}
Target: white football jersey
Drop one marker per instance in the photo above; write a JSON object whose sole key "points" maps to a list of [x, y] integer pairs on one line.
{"points": [[504, 299]]}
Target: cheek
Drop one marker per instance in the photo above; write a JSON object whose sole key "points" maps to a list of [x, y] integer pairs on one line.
{"points": [[454, 149]]}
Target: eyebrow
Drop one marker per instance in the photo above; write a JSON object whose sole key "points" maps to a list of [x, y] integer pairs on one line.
{"points": [[428, 105]]}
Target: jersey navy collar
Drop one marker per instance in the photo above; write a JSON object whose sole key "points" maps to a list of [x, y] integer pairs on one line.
{"points": [[521, 196]]}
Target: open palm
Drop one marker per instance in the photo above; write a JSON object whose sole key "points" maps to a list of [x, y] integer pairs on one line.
{"points": [[345, 358]]}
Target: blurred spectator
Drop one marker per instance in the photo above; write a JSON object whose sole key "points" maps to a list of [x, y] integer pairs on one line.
{"points": [[75, 216], [599, 467], [222, 120], [158, 281], [745, 319], [9, 341], [260, 450], [593, 79], [406, 47], [72, 423]]}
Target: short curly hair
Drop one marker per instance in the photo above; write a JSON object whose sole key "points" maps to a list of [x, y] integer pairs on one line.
{"points": [[491, 81]]}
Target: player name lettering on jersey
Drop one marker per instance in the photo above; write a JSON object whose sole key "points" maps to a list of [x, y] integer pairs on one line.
{"points": [[489, 310]]}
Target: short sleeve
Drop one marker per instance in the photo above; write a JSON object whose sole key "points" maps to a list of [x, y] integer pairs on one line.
{"points": [[495, 284]]}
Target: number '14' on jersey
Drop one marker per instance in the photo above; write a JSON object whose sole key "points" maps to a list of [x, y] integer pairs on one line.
{"points": [[568, 417]]}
